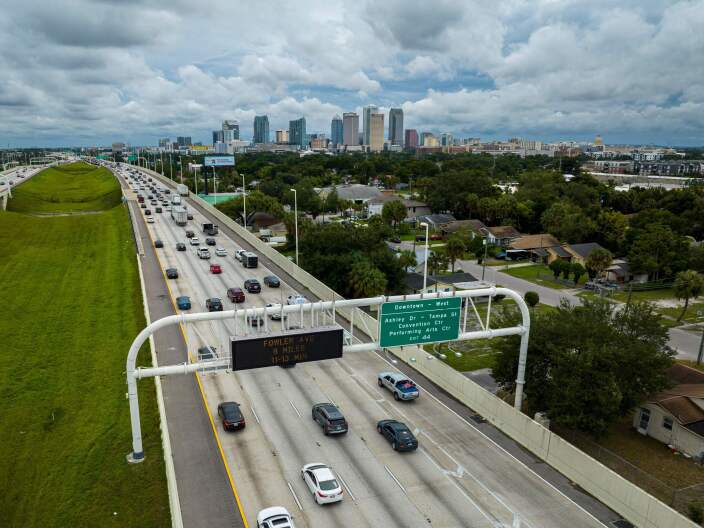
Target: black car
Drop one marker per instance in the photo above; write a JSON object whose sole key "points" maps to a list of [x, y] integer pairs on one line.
{"points": [[231, 416], [158, 243], [190, 234], [329, 418], [180, 246], [143, 205], [158, 209], [147, 212], [398, 434], [213, 304], [252, 286], [210, 241], [272, 281], [189, 216], [255, 320], [172, 273]]}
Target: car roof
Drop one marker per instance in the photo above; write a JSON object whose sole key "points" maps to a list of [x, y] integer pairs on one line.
{"points": [[183, 297], [331, 410], [322, 472]]}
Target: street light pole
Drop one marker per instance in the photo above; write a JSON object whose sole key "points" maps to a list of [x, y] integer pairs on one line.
{"points": [[244, 202], [180, 159], [484, 259], [425, 264], [295, 218]]}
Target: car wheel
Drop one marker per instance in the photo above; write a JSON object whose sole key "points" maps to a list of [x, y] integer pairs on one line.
{"points": [[396, 396], [378, 429], [393, 445], [380, 383], [325, 431]]}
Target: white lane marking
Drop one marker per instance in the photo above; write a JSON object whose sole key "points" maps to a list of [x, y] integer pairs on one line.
{"points": [[328, 397], [504, 450], [349, 491], [255, 414], [395, 479], [294, 408], [294, 495]]}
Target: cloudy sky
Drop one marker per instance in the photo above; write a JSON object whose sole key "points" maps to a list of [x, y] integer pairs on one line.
{"points": [[86, 72]]}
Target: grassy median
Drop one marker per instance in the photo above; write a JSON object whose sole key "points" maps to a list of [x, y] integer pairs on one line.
{"points": [[72, 305]]}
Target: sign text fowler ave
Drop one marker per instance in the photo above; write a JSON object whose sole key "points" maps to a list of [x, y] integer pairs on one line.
{"points": [[287, 348], [404, 323]]}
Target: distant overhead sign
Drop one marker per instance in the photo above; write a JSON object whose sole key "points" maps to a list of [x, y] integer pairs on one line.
{"points": [[219, 161], [295, 346], [422, 321]]}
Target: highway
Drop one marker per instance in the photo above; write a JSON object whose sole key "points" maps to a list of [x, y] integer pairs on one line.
{"points": [[14, 177], [458, 476]]}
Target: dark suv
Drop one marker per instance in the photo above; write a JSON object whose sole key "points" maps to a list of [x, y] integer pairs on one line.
{"points": [[252, 286], [213, 304], [236, 295], [329, 418]]}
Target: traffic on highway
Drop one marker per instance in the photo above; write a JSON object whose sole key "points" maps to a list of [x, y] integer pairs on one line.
{"points": [[344, 442]]}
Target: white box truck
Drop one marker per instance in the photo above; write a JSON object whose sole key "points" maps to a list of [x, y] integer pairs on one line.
{"points": [[179, 215], [182, 189]]}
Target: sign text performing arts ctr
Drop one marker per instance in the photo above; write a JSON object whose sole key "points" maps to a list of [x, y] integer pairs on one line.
{"points": [[295, 346], [404, 323]]}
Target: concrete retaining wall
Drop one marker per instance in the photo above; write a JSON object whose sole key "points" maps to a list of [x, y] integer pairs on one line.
{"points": [[631, 502]]}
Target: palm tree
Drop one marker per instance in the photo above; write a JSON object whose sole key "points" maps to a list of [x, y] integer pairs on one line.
{"points": [[366, 280], [454, 249], [688, 284], [407, 258]]}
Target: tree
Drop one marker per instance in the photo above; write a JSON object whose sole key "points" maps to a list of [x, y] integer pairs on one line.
{"points": [[437, 262], [658, 251], [577, 271], [556, 267], [611, 229], [532, 298], [365, 279], [454, 249], [407, 258], [586, 363], [567, 222], [597, 261], [393, 212], [566, 269], [332, 201], [688, 284]]}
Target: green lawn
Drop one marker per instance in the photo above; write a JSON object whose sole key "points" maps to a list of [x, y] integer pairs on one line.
{"points": [[74, 300], [541, 274], [67, 188], [466, 356], [646, 295]]}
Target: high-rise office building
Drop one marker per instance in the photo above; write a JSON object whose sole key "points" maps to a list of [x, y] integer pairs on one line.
{"points": [[350, 128], [164, 143], [336, 131], [396, 126], [217, 136], [446, 139], [184, 141], [230, 130], [261, 129], [297, 132], [367, 115], [411, 139], [282, 136], [376, 132]]}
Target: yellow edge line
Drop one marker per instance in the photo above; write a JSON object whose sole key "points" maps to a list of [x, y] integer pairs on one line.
{"points": [[200, 387]]}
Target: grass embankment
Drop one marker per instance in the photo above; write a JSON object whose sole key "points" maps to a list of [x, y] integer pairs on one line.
{"points": [[72, 305], [67, 188], [541, 274]]}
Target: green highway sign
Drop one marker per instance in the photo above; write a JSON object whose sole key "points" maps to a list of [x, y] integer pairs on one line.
{"points": [[404, 323]]}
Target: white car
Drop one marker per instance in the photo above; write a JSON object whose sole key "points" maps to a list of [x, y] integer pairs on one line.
{"points": [[194, 241], [239, 253], [220, 252], [150, 219], [322, 483], [296, 299], [275, 517]]}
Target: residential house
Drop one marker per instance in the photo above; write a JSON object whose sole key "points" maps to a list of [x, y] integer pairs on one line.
{"points": [[435, 221], [473, 227], [620, 272], [354, 192], [502, 235], [675, 416], [413, 207], [450, 282], [544, 247], [580, 252]]}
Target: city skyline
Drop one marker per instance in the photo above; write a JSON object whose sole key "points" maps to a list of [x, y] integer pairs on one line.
{"points": [[85, 72]]}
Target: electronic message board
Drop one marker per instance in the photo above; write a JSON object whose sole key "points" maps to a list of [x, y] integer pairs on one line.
{"points": [[294, 346]]}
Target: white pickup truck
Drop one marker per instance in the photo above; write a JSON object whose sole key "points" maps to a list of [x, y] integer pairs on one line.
{"points": [[203, 253], [401, 387]]}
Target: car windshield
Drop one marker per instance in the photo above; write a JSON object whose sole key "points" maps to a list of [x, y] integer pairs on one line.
{"points": [[327, 485]]}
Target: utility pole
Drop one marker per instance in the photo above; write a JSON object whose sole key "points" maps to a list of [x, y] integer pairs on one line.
{"points": [[701, 350]]}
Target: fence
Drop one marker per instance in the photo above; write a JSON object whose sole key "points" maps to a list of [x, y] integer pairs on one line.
{"points": [[630, 501]]}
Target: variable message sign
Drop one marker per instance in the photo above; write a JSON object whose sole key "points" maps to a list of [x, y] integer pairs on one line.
{"points": [[219, 161], [404, 323], [295, 346]]}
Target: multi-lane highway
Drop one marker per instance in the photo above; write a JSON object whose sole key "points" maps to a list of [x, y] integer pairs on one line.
{"points": [[457, 477]]}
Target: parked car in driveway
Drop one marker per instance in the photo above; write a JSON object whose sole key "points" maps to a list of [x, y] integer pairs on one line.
{"points": [[272, 281], [322, 483], [252, 286], [236, 295], [329, 417], [183, 302], [398, 434], [213, 304], [400, 386], [231, 416], [171, 273]]}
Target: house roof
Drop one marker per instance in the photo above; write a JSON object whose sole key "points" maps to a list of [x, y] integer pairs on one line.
{"points": [[391, 197], [414, 281], [504, 231], [453, 278], [544, 240], [560, 251], [356, 191], [682, 374], [682, 408], [472, 225], [583, 250], [434, 219], [677, 400]]}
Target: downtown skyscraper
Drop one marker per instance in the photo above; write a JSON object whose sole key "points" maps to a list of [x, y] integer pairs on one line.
{"points": [[336, 131], [396, 126], [367, 116], [261, 129], [350, 128], [297, 132]]}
